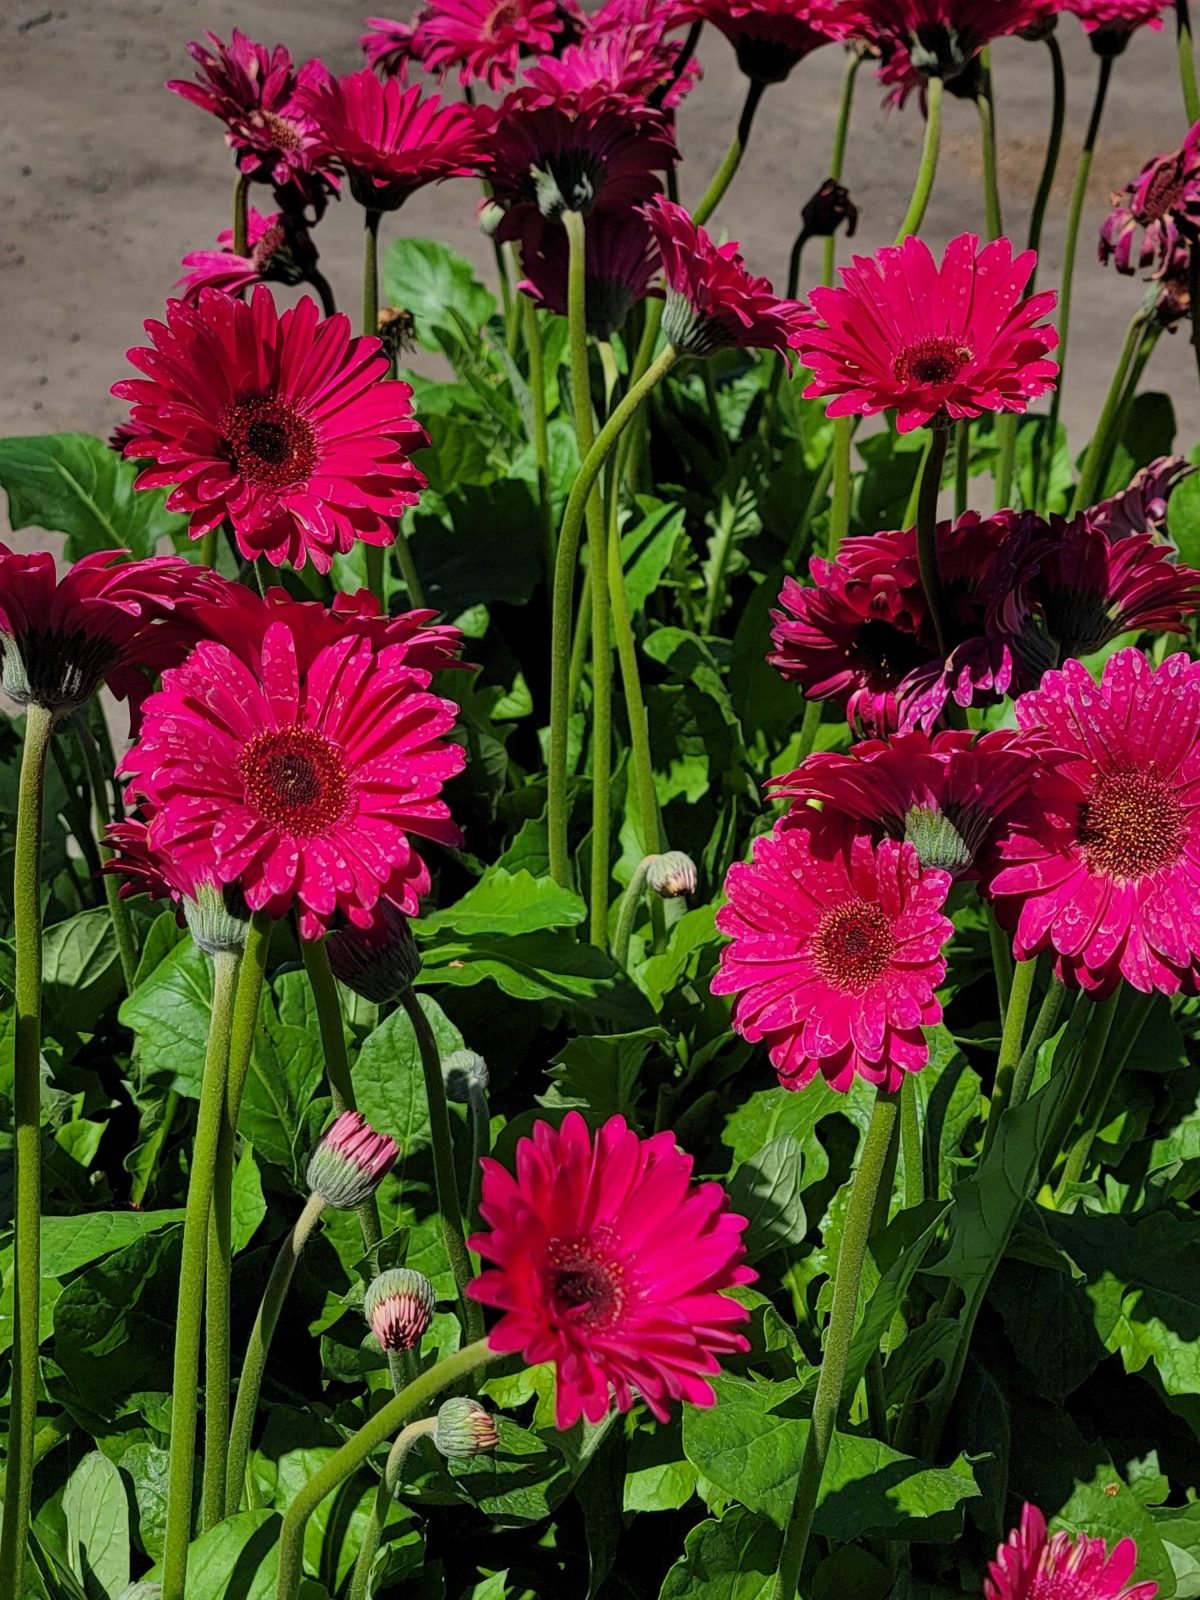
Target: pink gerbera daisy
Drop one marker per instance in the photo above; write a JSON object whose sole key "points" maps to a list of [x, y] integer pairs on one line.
{"points": [[904, 334], [285, 424], [942, 36], [1101, 864], [621, 262], [608, 1261], [948, 795], [770, 37], [713, 302], [253, 91], [836, 954], [389, 46], [392, 141], [106, 620], [299, 774], [631, 62], [485, 38], [281, 251], [1142, 507], [1034, 1565], [215, 914], [1111, 22], [1158, 213]]}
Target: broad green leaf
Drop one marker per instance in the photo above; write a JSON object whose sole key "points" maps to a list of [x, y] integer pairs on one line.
{"points": [[71, 1242], [568, 975], [425, 278], [81, 972], [657, 1476], [388, 1078], [239, 1560], [647, 547], [1179, 1529], [599, 1072], [507, 903], [1107, 1509], [169, 1012], [733, 1559], [97, 1517], [249, 1207], [287, 1073], [888, 1296], [73, 483], [766, 1190], [147, 1466]]}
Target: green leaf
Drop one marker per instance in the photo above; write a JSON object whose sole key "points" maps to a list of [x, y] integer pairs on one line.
{"points": [[570, 976], [81, 972], [1109, 1510], [169, 1012], [508, 903], [425, 278], [74, 484], [69, 1243], [287, 1070], [599, 1072], [97, 1518], [1179, 1530], [647, 548], [239, 1560], [733, 1559], [766, 1190], [657, 1477], [388, 1078], [249, 1206], [148, 1466]]}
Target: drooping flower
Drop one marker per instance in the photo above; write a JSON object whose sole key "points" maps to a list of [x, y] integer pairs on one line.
{"points": [[941, 37], [836, 954], [379, 962], [300, 774], [826, 209], [399, 1306], [392, 141], [284, 423], [485, 38], [390, 46], [948, 795], [621, 262], [281, 251], [1111, 23], [106, 620], [1156, 218], [465, 1074], [253, 91], [1032, 1564], [215, 915], [606, 1260], [770, 37], [350, 1161], [1101, 865], [1142, 507], [582, 151], [905, 334], [713, 302]]}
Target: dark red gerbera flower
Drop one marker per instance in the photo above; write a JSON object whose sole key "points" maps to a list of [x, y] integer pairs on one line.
{"points": [[773, 36], [621, 262]]}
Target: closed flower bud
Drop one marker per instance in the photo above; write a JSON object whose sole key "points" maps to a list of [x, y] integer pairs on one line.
{"points": [[464, 1428], [464, 1073], [672, 875], [350, 1161], [491, 216], [399, 1305], [217, 918], [825, 212], [379, 962]]}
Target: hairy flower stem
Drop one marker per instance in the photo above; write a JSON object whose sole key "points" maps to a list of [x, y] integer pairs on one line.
{"points": [[724, 174], [1058, 115], [927, 170], [27, 1145], [258, 1348], [1010, 1046], [629, 909], [644, 793], [481, 1146], [910, 1144], [384, 1495], [962, 465], [1104, 1081], [118, 911], [541, 440], [449, 1206], [1187, 60], [986, 103], [847, 1278], [357, 1450], [837, 160], [564, 592], [927, 508], [839, 509], [1099, 450], [241, 215], [1044, 1025], [192, 1265]]}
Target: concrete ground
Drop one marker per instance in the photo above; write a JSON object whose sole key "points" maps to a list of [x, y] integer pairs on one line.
{"points": [[106, 180]]}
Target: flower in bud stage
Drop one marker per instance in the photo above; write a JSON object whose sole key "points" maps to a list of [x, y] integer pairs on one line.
{"points": [[828, 208], [350, 1161], [379, 962], [399, 1306], [672, 875], [465, 1073], [464, 1428]]}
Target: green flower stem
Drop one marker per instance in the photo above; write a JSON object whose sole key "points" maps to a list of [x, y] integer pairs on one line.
{"points": [[481, 1146], [1058, 115], [642, 767], [443, 1164], [927, 170], [1071, 242], [1108, 1070], [370, 287], [192, 1264], [357, 1450], [118, 910], [258, 1348], [1099, 451], [1006, 428], [241, 218], [714, 413], [847, 1277], [910, 1144], [818, 492], [564, 589], [1187, 60], [927, 508], [724, 174], [581, 640], [541, 439], [629, 908], [914, 500], [1043, 1026], [985, 100], [837, 160], [27, 1052], [208, 547], [839, 511], [384, 1495], [1010, 1046], [962, 465], [1002, 960], [1083, 1076]]}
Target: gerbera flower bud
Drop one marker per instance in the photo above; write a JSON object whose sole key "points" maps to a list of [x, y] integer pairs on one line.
{"points": [[380, 961], [599, 1242], [1032, 1563], [464, 1428], [672, 875], [465, 1074], [399, 1305], [350, 1161], [824, 213]]}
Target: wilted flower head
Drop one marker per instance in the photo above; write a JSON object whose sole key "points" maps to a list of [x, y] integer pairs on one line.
{"points": [[825, 211], [1142, 507], [1156, 218], [350, 1161], [465, 1074], [281, 251], [399, 1306], [1034, 1565], [378, 962], [773, 36], [621, 263], [464, 1428]]}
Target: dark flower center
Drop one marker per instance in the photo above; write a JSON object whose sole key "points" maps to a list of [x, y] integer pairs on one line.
{"points": [[1131, 825], [585, 1283], [884, 653], [853, 945], [269, 442], [282, 133], [506, 15], [933, 360], [1166, 186], [295, 779]]}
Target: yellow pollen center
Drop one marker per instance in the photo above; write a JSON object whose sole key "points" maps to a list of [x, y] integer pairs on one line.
{"points": [[586, 1282], [853, 945], [1131, 825], [935, 360]]}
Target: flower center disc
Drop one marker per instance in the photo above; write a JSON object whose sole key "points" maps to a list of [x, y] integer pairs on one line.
{"points": [[270, 443], [506, 15], [295, 779], [284, 135], [1165, 189], [1131, 825], [885, 652], [938, 359], [586, 1286], [853, 945]]}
